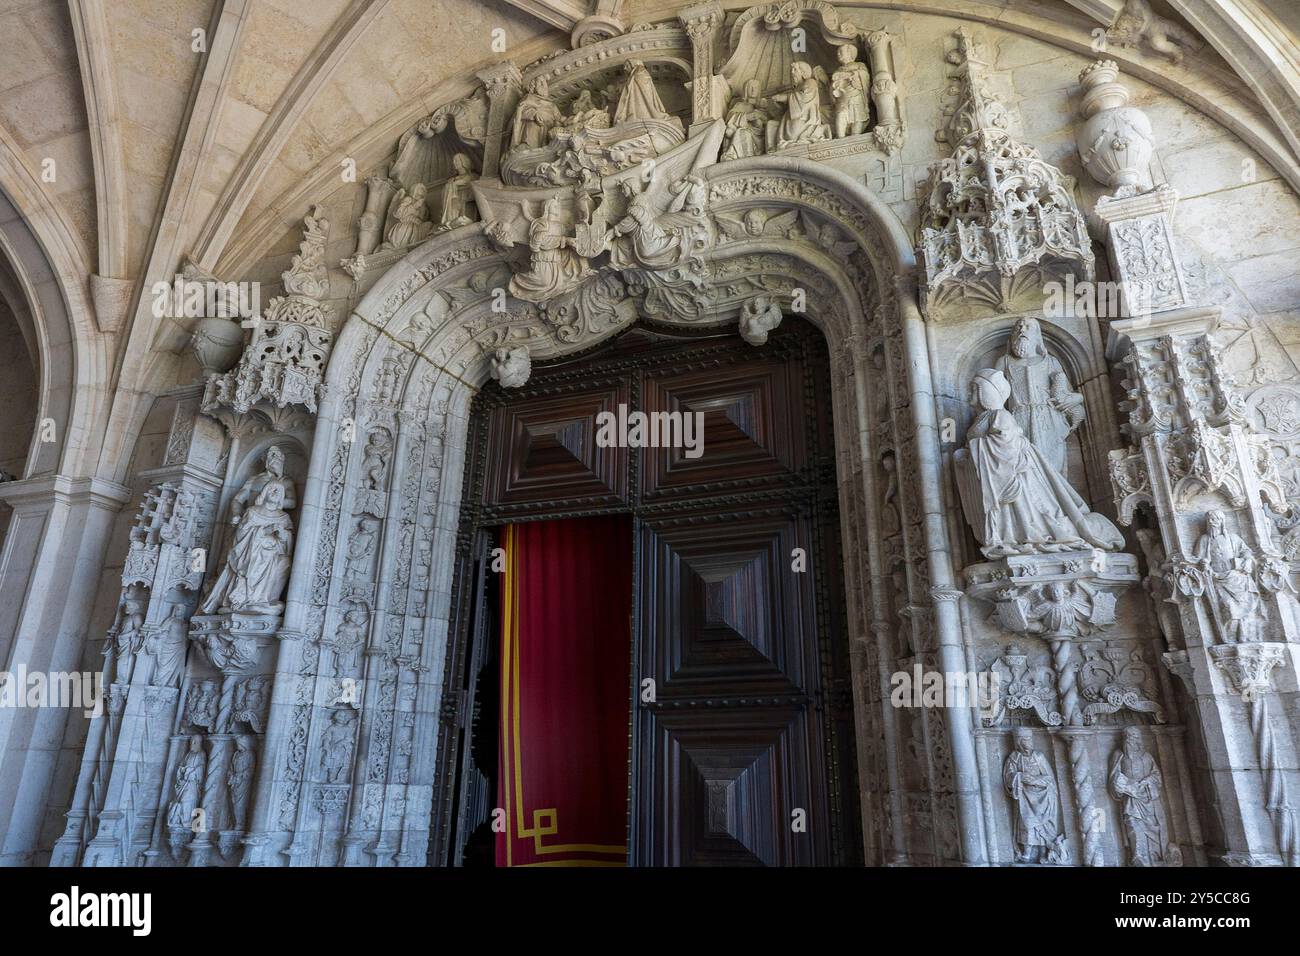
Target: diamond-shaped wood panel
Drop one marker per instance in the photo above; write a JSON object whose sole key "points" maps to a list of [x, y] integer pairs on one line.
{"points": [[733, 781], [545, 452], [727, 611], [753, 430]]}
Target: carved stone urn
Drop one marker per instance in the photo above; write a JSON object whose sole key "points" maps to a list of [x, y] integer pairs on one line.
{"points": [[1115, 141], [216, 344]]}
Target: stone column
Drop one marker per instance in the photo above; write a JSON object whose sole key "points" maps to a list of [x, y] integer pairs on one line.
{"points": [[504, 85], [1197, 465], [702, 22], [49, 572]]}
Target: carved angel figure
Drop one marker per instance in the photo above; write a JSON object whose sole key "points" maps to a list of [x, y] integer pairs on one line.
{"points": [[645, 242], [1035, 803], [758, 317], [511, 367], [803, 122], [1015, 501], [554, 266]]}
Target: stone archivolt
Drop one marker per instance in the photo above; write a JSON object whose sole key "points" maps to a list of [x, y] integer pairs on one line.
{"points": [[572, 197]]}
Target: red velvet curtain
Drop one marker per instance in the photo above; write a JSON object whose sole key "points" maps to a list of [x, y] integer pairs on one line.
{"points": [[566, 601]]}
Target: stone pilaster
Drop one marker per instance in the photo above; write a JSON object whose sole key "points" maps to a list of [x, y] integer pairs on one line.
{"points": [[702, 22], [504, 84]]}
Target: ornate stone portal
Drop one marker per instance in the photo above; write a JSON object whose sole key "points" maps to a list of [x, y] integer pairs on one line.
{"points": [[546, 212]]}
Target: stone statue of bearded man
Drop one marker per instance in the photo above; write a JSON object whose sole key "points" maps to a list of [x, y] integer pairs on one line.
{"points": [[1045, 405]]}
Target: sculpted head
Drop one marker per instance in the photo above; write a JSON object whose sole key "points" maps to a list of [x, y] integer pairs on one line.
{"points": [[1023, 738], [847, 53], [275, 461], [990, 389], [752, 89], [1214, 523], [1027, 338], [540, 87], [1132, 739], [800, 71]]}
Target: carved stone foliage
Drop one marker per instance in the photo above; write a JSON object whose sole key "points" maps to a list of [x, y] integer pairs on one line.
{"points": [[284, 362], [995, 211]]}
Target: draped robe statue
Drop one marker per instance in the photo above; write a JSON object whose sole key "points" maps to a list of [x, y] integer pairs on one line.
{"points": [[535, 116], [1015, 501], [1034, 800], [747, 120], [554, 267], [803, 121], [257, 564], [1229, 568], [1135, 784], [645, 242], [457, 194], [1046, 407], [850, 84], [408, 216], [186, 785], [639, 99]]}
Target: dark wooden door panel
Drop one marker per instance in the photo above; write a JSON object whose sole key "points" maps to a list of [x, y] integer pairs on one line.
{"points": [[753, 430], [737, 789], [544, 452], [725, 613]]}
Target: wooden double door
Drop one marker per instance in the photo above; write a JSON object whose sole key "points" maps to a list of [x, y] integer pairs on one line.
{"points": [[741, 744]]}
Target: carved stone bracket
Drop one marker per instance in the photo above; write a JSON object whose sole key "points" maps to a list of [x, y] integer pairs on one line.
{"points": [[1249, 667]]}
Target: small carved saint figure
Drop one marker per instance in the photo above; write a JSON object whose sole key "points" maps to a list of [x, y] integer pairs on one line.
{"points": [[239, 781], [1015, 501], [1135, 783], [535, 116], [186, 786], [457, 194], [127, 636], [1228, 566], [747, 119], [409, 213], [362, 546], [257, 564], [336, 747], [803, 122], [166, 646], [1045, 406], [758, 317], [639, 99], [554, 266], [850, 84], [1035, 804], [351, 638], [375, 463]]}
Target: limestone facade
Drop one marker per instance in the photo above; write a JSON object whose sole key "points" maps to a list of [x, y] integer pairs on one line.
{"points": [[1053, 250]]}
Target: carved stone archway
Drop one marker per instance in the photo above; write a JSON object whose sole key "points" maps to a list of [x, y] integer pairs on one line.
{"points": [[386, 471]]}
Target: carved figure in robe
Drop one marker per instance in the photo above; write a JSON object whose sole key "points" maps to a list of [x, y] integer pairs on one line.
{"points": [[639, 99], [457, 195], [554, 266], [166, 646], [347, 645], [239, 781], [645, 243], [1160, 587], [1045, 405], [336, 747], [272, 473], [1228, 567], [803, 122], [850, 85], [747, 120], [361, 546], [585, 114], [408, 215], [201, 705], [535, 117], [127, 638], [1135, 784], [257, 564], [375, 463], [1015, 501], [1035, 803], [186, 785]]}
